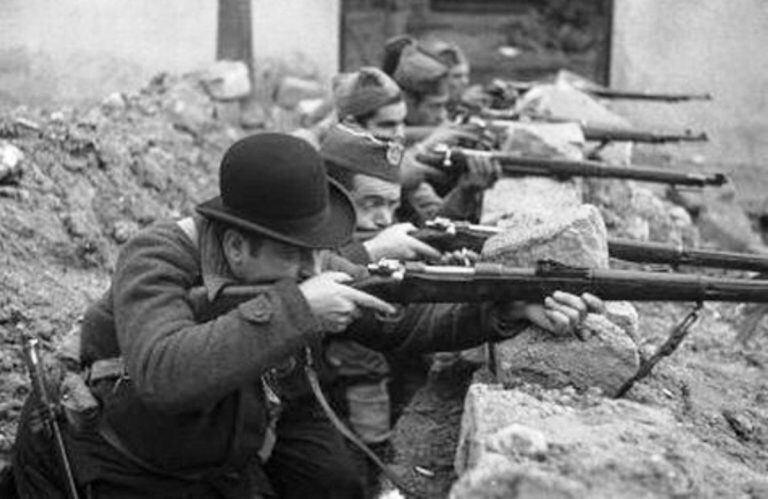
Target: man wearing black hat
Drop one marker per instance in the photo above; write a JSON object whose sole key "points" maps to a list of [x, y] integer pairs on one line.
{"points": [[199, 402]]}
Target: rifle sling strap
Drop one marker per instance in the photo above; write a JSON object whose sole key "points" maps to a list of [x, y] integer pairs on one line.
{"points": [[350, 435]]}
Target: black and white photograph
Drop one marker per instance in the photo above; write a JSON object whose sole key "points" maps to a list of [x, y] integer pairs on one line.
{"points": [[383, 249]]}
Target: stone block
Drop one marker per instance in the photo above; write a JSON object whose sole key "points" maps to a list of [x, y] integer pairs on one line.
{"points": [[564, 140], [227, 80], [510, 196], [609, 356], [595, 448], [606, 359], [563, 101], [497, 478], [576, 236]]}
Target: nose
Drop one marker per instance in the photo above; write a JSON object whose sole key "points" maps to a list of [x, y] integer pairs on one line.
{"points": [[399, 132], [383, 217], [309, 264]]}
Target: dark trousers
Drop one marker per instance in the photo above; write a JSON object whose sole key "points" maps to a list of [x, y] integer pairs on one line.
{"points": [[310, 460]]}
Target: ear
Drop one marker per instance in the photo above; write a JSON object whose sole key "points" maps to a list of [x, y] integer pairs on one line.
{"points": [[234, 246]]}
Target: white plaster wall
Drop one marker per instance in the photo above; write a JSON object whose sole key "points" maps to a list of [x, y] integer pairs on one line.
{"points": [[68, 51], [298, 30], [716, 46]]}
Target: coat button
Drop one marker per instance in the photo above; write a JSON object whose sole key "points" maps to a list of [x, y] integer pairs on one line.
{"points": [[258, 309]]}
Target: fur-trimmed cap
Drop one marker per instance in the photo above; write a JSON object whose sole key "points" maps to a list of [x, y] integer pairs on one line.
{"points": [[363, 92], [448, 53], [418, 71]]}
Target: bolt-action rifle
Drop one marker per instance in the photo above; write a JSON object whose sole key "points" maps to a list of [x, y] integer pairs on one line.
{"points": [[611, 93], [592, 132], [49, 411], [415, 282], [448, 235], [455, 160]]}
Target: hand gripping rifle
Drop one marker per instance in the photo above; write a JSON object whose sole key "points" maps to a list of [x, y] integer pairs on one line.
{"points": [[456, 159], [448, 235], [49, 410]]}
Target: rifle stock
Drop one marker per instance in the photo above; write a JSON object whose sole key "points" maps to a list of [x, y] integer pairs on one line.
{"points": [[456, 159]]}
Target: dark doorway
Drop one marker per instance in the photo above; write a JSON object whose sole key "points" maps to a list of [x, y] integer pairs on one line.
{"points": [[546, 35]]}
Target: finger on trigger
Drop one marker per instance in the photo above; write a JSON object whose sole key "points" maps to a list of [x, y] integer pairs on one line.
{"points": [[338, 276], [593, 302], [370, 301], [425, 249]]}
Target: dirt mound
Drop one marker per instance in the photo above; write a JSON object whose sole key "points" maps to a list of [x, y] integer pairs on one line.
{"points": [[89, 180]]}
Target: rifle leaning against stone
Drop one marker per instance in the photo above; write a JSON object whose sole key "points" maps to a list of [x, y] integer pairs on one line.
{"points": [[448, 235], [455, 160], [49, 411]]}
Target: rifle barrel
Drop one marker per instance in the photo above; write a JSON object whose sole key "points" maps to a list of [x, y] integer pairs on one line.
{"points": [[650, 252], [609, 93], [551, 167], [606, 134], [493, 282]]}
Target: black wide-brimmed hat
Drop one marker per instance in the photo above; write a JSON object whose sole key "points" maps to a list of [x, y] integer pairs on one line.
{"points": [[276, 185]]}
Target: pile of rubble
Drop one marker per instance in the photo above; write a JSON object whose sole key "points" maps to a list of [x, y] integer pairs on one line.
{"points": [[77, 183]]}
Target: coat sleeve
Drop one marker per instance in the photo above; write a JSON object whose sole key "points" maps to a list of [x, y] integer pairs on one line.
{"points": [[177, 364], [431, 328]]}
